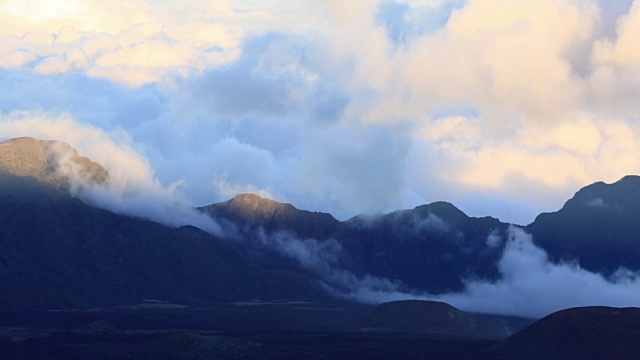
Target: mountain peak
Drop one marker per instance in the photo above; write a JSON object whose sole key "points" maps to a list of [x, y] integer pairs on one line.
{"points": [[622, 194], [634, 178], [253, 210], [257, 206], [443, 209], [598, 226], [24, 157], [54, 162]]}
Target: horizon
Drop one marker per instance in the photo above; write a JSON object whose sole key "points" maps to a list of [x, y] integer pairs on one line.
{"points": [[379, 213], [94, 200]]}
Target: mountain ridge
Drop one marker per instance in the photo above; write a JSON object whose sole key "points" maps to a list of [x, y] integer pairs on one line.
{"points": [[597, 226], [250, 210], [437, 246], [433, 248], [432, 235], [57, 252]]}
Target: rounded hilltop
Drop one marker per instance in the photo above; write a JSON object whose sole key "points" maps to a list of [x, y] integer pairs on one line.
{"points": [[54, 162]]}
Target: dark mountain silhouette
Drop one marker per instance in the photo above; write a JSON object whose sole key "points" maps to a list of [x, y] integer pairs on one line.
{"points": [[579, 333], [432, 247], [429, 317], [599, 227], [57, 252], [436, 246]]}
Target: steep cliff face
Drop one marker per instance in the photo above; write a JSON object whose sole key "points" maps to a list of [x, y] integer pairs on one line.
{"points": [[52, 162]]}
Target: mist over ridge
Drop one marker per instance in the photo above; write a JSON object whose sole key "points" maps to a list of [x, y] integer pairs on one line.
{"points": [[431, 252], [58, 163], [523, 268]]}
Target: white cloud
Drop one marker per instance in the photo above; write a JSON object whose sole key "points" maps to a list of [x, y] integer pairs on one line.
{"points": [[533, 286], [131, 188], [530, 285], [229, 190], [625, 50], [494, 98], [109, 39]]}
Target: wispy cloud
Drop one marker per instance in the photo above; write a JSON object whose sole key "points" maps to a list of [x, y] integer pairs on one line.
{"points": [[131, 187], [530, 285]]}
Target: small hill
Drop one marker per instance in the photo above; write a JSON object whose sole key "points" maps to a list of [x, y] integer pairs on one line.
{"points": [[579, 333], [428, 317]]}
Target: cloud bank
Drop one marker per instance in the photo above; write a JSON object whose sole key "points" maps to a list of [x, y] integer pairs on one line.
{"points": [[503, 109], [530, 285]]}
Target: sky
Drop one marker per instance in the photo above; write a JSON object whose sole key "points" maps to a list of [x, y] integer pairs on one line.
{"points": [[504, 108]]}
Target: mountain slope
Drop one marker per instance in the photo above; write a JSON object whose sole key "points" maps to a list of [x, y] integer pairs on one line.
{"points": [[53, 244], [598, 227], [433, 246], [436, 247], [57, 252]]}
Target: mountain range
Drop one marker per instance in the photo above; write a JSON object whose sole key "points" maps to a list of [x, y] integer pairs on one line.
{"points": [[430, 247], [57, 252], [60, 252], [437, 247], [273, 266]]}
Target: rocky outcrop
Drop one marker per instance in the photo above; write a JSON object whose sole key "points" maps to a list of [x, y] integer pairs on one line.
{"points": [[251, 211], [53, 162]]}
